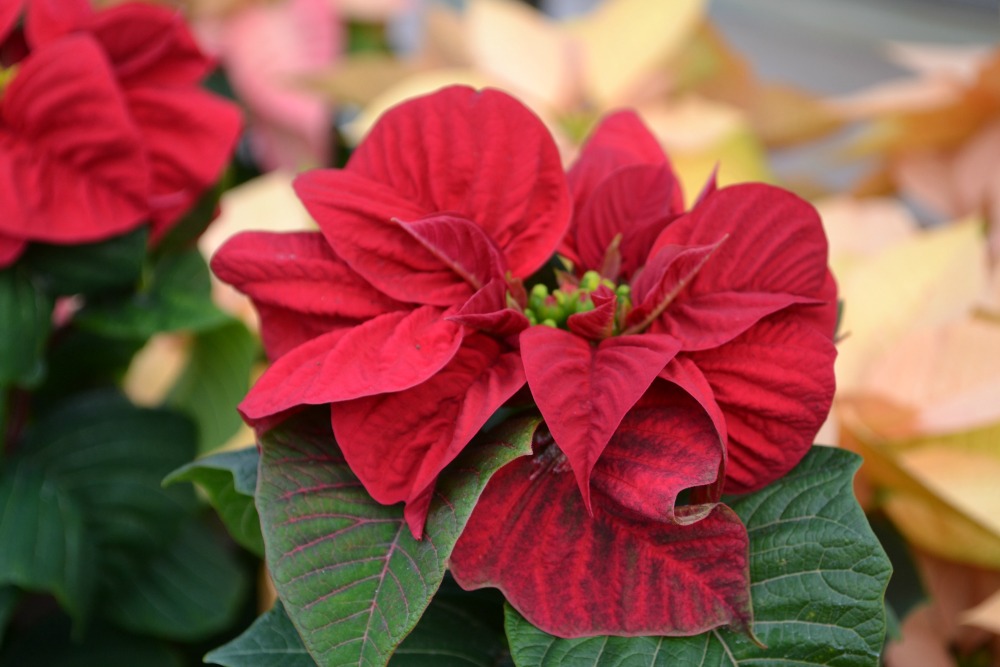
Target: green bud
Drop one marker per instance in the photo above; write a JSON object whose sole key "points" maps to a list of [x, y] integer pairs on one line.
{"points": [[591, 280]]}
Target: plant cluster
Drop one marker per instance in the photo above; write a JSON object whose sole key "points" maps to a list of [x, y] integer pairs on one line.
{"points": [[535, 392]]}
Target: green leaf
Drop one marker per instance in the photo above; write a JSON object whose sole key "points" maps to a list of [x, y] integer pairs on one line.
{"points": [[25, 322], [818, 580], [89, 268], [85, 362], [230, 481], [906, 589], [48, 644], [9, 597], [353, 579], [42, 532], [178, 296], [110, 457], [188, 591], [450, 634], [216, 379], [272, 641]]}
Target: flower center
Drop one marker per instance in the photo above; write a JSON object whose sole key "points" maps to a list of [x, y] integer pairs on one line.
{"points": [[554, 309]]}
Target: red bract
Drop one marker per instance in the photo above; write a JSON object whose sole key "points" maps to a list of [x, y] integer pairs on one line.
{"points": [[628, 568], [732, 301], [446, 205], [710, 366], [103, 125]]}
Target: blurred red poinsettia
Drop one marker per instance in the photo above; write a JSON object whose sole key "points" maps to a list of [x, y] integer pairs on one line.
{"points": [[434, 211], [718, 343], [102, 122]]}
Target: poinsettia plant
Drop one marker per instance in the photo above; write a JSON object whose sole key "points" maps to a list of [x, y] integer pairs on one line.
{"points": [[130, 75], [109, 151], [563, 386]]}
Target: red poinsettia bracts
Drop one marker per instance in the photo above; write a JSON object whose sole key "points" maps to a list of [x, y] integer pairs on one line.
{"points": [[625, 569], [686, 351], [395, 313], [726, 301], [103, 125]]}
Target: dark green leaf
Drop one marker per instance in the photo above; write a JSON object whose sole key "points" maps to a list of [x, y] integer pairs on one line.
{"points": [[85, 362], [178, 296], [42, 535], [187, 591], [353, 579], [906, 589], [215, 381], [110, 457], [48, 644], [25, 322], [8, 602], [89, 268], [450, 634], [818, 573], [230, 481], [271, 641]]}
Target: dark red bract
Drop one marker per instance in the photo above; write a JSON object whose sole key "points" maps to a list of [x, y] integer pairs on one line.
{"points": [[103, 125], [684, 351]]}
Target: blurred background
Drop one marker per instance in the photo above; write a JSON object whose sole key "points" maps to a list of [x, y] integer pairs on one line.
{"points": [[885, 114]]}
